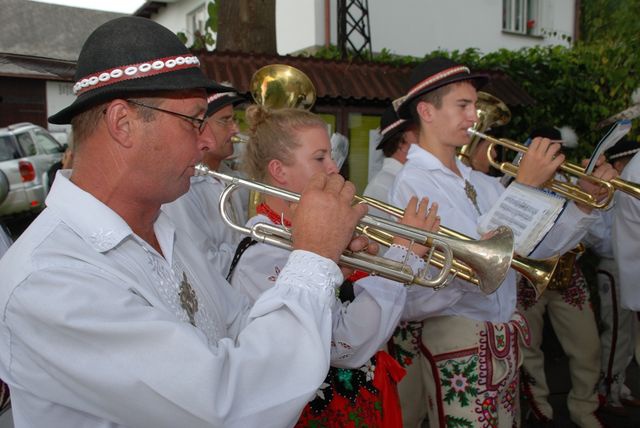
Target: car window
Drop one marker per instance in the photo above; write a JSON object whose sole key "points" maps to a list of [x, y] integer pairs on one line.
{"points": [[47, 144], [7, 149], [26, 142]]}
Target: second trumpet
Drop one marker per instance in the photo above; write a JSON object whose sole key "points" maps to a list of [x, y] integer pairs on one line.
{"points": [[495, 253]]}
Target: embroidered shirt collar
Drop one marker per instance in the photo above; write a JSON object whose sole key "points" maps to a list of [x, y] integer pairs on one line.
{"points": [[96, 223]]}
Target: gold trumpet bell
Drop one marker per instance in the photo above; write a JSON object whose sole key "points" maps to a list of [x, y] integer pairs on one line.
{"points": [[492, 112], [278, 86], [538, 272], [489, 258]]}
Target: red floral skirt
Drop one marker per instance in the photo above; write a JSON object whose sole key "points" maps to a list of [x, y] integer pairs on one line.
{"points": [[362, 397]]}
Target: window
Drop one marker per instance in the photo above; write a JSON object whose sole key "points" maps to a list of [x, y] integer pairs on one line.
{"points": [[7, 150], [360, 127], [46, 144], [196, 20], [521, 16], [28, 147]]}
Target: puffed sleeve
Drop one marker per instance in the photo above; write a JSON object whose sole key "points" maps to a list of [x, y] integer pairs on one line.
{"points": [[89, 342]]}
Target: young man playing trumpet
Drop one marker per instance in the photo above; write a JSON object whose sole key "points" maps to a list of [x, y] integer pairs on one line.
{"points": [[471, 347]]}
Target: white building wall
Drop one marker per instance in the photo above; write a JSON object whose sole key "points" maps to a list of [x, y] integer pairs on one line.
{"points": [[59, 95], [299, 24], [405, 27], [174, 15], [416, 27]]}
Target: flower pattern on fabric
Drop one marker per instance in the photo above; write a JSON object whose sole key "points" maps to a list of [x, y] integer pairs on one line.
{"points": [[511, 396], [459, 380], [458, 422], [488, 411], [404, 344], [347, 397], [274, 277], [103, 239], [369, 369], [473, 391], [577, 294], [346, 383], [526, 294]]}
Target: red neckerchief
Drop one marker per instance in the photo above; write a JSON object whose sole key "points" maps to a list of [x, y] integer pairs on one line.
{"points": [[265, 209]]}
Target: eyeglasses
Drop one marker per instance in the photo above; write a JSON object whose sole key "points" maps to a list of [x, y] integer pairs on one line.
{"points": [[226, 122], [196, 122]]}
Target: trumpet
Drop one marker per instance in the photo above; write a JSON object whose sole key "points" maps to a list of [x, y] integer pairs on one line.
{"points": [[239, 138], [538, 272], [567, 190], [491, 111], [495, 252]]}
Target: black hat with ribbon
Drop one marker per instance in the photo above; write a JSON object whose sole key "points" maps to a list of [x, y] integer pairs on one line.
{"points": [[221, 97], [131, 55], [433, 74], [622, 148], [391, 126]]}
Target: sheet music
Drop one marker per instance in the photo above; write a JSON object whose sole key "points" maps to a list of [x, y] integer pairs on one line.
{"points": [[613, 135], [528, 211]]}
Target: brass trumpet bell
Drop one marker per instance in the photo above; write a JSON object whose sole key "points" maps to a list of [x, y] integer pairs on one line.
{"points": [[491, 111], [279, 86], [538, 272]]}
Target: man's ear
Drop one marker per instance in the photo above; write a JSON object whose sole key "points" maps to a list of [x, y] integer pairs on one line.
{"points": [[277, 171], [119, 119], [425, 110]]}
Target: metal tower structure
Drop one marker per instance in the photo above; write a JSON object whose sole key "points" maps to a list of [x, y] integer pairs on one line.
{"points": [[353, 29]]}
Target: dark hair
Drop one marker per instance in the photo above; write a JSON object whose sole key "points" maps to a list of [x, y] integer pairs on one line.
{"points": [[392, 144], [434, 97]]}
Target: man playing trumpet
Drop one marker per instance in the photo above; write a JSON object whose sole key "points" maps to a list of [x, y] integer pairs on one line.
{"points": [[471, 348]]}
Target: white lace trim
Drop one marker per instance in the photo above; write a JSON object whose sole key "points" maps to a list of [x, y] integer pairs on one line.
{"points": [[309, 271], [397, 253]]}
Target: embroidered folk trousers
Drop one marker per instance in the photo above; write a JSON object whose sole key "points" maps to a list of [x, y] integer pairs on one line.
{"points": [[574, 323], [472, 372], [617, 336], [404, 346]]}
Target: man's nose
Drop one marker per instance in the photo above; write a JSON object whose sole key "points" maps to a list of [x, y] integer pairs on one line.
{"points": [[206, 139]]}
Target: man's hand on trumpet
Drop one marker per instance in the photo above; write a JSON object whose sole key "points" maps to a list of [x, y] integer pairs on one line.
{"points": [[604, 171], [325, 218], [540, 163]]}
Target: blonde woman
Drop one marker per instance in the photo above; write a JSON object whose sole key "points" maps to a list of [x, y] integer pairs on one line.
{"points": [[287, 147]]}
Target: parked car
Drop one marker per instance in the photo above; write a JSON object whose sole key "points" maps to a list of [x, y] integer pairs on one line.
{"points": [[29, 157]]}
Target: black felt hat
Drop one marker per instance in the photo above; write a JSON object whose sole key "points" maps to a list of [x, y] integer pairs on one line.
{"points": [[433, 74], [128, 55], [223, 96], [390, 126], [622, 149]]}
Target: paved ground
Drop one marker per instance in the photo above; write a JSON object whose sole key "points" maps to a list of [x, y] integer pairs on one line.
{"points": [[557, 369]]}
